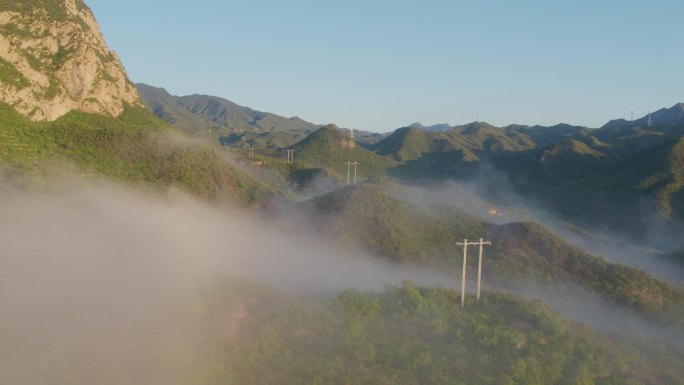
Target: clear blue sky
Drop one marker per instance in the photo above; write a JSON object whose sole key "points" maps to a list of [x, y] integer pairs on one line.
{"points": [[382, 64]]}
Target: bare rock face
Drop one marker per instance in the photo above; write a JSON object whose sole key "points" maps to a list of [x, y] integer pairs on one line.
{"points": [[53, 59]]}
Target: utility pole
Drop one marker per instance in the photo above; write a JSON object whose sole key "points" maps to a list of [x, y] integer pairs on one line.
{"points": [[479, 267], [349, 164], [355, 164], [465, 258], [290, 156]]}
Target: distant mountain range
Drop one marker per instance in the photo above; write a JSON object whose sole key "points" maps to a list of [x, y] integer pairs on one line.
{"points": [[589, 176], [665, 117], [434, 127], [221, 119], [194, 111]]}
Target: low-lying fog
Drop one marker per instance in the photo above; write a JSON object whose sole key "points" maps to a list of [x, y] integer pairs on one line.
{"points": [[90, 280], [613, 247], [93, 281]]}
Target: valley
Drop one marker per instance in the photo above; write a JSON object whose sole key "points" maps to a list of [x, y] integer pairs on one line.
{"points": [[153, 238]]}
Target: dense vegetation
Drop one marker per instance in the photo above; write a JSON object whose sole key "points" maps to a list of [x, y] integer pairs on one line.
{"points": [[330, 148], [411, 335], [54, 10], [614, 177], [367, 216], [407, 335], [136, 148], [627, 178], [220, 119]]}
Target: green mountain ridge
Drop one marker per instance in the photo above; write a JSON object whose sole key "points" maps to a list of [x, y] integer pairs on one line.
{"points": [[413, 335], [590, 177], [405, 335], [662, 119], [368, 217], [135, 148], [221, 119], [330, 148]]}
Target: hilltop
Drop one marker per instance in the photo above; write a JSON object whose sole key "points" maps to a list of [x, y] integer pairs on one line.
{"points": [[331, 148], [408, 143], [665, 117], [53, 59]]}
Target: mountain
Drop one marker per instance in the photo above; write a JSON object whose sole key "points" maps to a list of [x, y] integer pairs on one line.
{"points": [[474, 140], [627, 178], [434, 127], [409, 335], [231, 123], [331, 148], [592, 177], [642, 193], [67, 108], [460, 150], [53, 59], [665, 117], [408, 143], [133, 148], [372, 218]]}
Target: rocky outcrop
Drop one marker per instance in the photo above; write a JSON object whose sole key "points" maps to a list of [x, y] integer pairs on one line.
{"points": [[53, 59]]}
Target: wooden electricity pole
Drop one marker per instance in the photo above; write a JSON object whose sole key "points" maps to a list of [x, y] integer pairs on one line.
{"points": [[479, 267], [348, 168], [355, 164], [465, 259], [349, 164]]}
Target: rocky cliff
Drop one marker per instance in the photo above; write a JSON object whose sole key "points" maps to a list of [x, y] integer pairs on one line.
{"points": [[53, 59]]}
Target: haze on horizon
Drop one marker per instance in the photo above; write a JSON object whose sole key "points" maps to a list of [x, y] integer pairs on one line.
{"points": [[382, 65]]}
